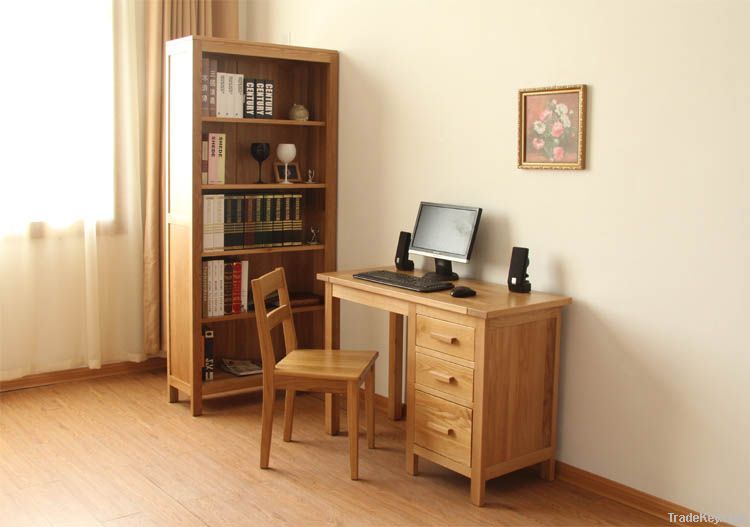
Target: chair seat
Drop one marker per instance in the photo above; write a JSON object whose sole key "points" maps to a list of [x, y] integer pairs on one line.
{"points": [[344, 365]]}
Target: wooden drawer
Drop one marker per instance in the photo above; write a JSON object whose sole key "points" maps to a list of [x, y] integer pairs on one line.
{"points": [[443, 427], [445, 376], [450, 338]]}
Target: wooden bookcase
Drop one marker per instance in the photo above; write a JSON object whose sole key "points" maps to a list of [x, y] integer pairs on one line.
{"points": [[301, 75]]}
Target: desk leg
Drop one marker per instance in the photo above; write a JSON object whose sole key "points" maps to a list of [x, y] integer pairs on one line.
{"points": [[331, 341], [395, 365], [412, 461]]}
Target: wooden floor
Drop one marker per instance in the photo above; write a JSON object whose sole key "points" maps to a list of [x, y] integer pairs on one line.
{"points": [[113, 452]]}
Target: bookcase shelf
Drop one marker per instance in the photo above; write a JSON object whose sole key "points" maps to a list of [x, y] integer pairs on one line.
{"points": [[263, 186], [250, 315], [265, 250], [300, 76], [264, 122]]}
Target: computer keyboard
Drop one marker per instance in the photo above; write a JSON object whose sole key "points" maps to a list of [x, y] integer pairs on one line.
{"points": [[404, 281]]}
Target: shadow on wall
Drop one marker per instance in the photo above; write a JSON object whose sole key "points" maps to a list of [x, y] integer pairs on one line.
{"points": [[492, 249], [362, 149]]}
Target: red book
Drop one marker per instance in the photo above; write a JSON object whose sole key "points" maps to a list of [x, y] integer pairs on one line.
{"points": [[236, 287]]}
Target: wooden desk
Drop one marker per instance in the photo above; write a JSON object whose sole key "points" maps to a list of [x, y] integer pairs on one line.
{"points": [[481, 373]]}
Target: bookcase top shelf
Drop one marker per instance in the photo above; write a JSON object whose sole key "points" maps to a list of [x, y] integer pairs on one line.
{"points": [[251, 314], [262, 186], [274, 122], [265, 250]]}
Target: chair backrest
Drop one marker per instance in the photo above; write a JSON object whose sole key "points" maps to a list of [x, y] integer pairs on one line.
{"points": [[275, 281]]}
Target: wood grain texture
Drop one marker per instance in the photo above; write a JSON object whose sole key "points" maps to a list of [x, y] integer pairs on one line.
{"points": [[443, 427], [445, 377], [446, 337], [395, 364], [112, 452]]}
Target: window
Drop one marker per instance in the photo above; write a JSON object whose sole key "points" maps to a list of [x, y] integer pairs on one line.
{"points": [[57, 126]]}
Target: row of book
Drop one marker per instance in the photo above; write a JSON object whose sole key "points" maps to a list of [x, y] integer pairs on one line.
{"points": [[225, 287], [238, 367], [247, 221], [232, 95], [214, 159]]}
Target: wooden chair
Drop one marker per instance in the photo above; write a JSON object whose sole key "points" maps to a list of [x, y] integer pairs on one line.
{"points": [[329, 371]]}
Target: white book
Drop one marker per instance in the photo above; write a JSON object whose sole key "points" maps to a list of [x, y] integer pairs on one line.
{"points": [[221, 158], [221, 94], [220, 288], [218, 222], [245, 276], [239, 97], [210, 288], [231, 94], [207, 238]]}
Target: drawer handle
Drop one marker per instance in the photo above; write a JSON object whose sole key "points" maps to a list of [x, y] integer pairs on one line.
{"points": [[439, 428], [442, 377], [444, 338]]}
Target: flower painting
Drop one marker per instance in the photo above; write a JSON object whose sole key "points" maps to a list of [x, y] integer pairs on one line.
{"points": [[551, 126]]}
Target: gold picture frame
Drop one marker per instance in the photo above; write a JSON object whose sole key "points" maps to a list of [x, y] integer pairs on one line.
{"points": [[551, 133]]}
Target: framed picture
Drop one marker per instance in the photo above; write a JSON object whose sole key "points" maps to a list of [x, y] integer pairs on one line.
{"points": [[294, 174], [552, 127]]}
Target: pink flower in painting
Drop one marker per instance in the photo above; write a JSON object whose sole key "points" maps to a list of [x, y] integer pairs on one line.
{"points": [[557, 129], [558, 152], [537, 143], [546, 113]]}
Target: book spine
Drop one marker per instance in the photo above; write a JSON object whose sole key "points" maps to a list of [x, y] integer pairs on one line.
{"points": [[231, 94], [207, 223], [269, 222], [298, 220], [227, 221], [205, 73], [208, 355], [212, 158], [210, 288], [204, 161], [245, 275], [260, 97], [218, 221], [287, 211], [213, 66], [249, 98], [227, 289], [221, 94], [204, 288], [221, 158], [268, 103], [236, 287], [278, 224], [239, 95]]}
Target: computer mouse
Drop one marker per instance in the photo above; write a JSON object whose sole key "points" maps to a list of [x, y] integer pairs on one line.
{"points": [[462, 292]]}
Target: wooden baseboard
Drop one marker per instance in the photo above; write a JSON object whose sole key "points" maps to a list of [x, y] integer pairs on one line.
{"points": [[627, 495], [80, 374]]}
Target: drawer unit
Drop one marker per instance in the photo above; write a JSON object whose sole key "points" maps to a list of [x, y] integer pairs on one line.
{"points": [[443, 427], [446, 337], [445, 377]]}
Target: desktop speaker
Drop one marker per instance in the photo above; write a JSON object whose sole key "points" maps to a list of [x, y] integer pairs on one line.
{"points": [[402, 252], [517, 277]]}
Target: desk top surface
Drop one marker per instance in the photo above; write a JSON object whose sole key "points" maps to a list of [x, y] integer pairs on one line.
{"points": [[492, 300]]}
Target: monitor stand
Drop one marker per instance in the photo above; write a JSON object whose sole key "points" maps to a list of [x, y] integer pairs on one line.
{"points": [[443, 271]]}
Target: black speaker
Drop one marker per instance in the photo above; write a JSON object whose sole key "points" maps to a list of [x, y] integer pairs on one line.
{"points": [[402, 252], [517, 277]]}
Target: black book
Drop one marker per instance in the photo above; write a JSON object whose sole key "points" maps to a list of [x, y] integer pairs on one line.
{"points": [[208, 355]]}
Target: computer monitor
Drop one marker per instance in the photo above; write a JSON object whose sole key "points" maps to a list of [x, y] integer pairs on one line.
{"points": [[445, 232]]}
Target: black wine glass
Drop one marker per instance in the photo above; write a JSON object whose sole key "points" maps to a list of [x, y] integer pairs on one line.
{"points": [[260, 152]]}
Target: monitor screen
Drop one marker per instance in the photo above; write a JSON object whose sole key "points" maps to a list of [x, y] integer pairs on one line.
{"points": [[445, 231]]}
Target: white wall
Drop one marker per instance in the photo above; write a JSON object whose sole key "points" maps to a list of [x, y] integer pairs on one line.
{"points": [[651, 240]]}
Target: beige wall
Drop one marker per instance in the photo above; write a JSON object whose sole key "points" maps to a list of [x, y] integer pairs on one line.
{"points": [[651, 240]]}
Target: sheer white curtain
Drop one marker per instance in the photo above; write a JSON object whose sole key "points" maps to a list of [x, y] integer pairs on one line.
{"points": [[71, 227]]}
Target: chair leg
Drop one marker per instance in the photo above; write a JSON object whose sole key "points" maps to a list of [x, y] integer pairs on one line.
{"points": [[266, 427], [288, 414], [352, 414], [370, 406]]}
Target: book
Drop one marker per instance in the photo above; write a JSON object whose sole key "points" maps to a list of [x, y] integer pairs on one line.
{"points": [[236, 287], [230, 94], [249, 108], [208, 355], [204, 161], [260, 97], [240, 367], [213, 67], [205, 73], [227, 301], [222, 95], [218, 222], [268, 102], [244, 290], [216, 158], [204, 288], [239, 94], [207, 223]]}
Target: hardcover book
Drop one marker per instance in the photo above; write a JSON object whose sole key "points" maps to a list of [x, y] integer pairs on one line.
{"points": [[249, 109], [212, 71]]}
